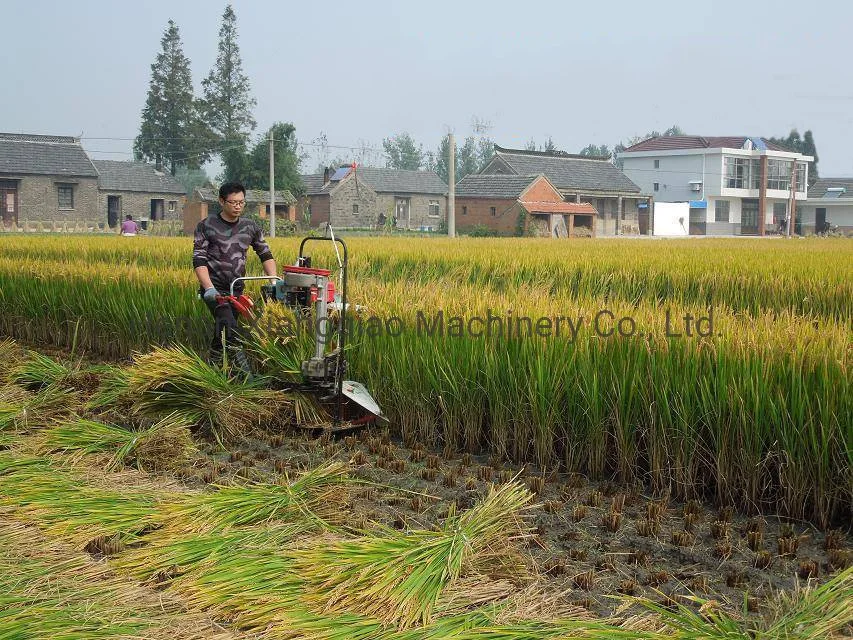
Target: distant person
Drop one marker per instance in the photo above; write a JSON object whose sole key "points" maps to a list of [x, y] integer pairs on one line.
{"points": [[129, 227]]}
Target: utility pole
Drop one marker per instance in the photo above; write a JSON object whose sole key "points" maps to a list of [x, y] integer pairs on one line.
{"points": [[272, 187], [451, 198], [792, 201]]}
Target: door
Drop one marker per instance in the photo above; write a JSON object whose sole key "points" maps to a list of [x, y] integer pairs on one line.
{"points": [[9, 202], [820, 220], [113, 210], [157, 207], [749, 217], [402, 216]]}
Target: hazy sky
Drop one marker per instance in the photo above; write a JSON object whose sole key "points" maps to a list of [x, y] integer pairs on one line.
{"points": [[579, 72]]}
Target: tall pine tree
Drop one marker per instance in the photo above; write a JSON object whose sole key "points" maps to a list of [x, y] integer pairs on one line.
{"points": [[171, 132], [227, 103]]}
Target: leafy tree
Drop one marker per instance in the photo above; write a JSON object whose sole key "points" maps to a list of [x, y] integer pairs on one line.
{"points": [[471, 157], [227, 104], [171, 131], [595, 151], [531, 145], [804, 145], [191, 179], [549, 147], [257, 169], [403, 153]]}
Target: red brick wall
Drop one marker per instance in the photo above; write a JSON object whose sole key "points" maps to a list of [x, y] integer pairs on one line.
{"points": [[479, 212], [319, 209], [541, 191]]}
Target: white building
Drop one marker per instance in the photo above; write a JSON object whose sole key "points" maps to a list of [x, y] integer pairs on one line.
{"points": [[830, 202], [727, 181]]}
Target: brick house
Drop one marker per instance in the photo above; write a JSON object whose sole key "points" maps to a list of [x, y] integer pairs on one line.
{"points": [[206, 201], [46, 179], [621, 207], [519, 205], [139, 190], [367, 197]]}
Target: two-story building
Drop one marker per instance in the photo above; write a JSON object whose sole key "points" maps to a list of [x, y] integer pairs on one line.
{"points": [[733, 185]]}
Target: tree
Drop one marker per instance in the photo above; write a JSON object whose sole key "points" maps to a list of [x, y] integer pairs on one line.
{"points": [[470, 158], [257, 168], [402, 153], [171, 131], [191, 179], [227, 104], [804, 145], [595, 151]]}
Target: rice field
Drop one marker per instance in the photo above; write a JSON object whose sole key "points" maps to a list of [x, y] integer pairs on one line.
{"points": [[553, 445]]}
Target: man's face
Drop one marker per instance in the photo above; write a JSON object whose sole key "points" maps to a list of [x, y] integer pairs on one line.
{"points": [[233, 204]]}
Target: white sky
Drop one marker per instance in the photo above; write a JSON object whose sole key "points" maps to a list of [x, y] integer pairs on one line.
{"points": [[591, 72]]}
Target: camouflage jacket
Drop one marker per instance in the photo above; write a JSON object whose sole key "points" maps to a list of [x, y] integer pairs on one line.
{"points": [[222, 246]]}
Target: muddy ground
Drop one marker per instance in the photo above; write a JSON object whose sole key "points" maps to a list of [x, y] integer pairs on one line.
{"points": [[662, 549]]}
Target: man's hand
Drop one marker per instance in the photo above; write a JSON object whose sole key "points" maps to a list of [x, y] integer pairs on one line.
{"points": [[209, 295]]}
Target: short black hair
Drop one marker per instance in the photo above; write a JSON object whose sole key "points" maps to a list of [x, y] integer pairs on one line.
{"points": [[231, 187], [128, 217]]}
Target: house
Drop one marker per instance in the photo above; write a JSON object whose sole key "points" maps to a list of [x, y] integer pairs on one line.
{"points": [[139, 190], [830, 201], [519, 205], [619, 203], [369, 197], [206, 201], [46, 178], [735, 185]]}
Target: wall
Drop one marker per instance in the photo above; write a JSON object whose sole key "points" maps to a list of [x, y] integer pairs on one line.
{"points": [[38, 200], [673, 175], [319, 209], [666, 218], [838, 214], [505, 222], [350, 191], [138, 204], [419, 217]]}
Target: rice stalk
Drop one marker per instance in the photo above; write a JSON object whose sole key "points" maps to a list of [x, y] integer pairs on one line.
{"points": [[399, 577]]}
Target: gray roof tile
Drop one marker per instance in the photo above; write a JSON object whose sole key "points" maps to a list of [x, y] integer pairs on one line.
{"points": [[118, 175], [24, 154], [253, 196], [385, 181], [501, 186], [818, 189], [566, 171]]}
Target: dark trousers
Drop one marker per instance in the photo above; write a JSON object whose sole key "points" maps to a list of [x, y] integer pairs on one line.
{"points": [[225, 328]]}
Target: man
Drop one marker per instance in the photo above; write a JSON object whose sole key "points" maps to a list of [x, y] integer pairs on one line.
{"points": [[220, 246], [129, 227]]}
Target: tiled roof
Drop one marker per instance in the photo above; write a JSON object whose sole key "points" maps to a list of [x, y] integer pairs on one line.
{"points": [[819, 188], [118, 175], [24, 154], [253, 196], [313, 183], [400, 181], [565, 171], [558, 207], [382, 181], [500, 186], [668, 143]]}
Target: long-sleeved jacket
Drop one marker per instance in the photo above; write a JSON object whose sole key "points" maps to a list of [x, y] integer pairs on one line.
{"points": [[222, 247]]}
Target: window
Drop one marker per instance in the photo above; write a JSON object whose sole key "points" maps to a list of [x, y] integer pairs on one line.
{"points": [[464, 211], [656, 186], [65, 192], [657, 164], [493, 211], [721, 210], [172, 206], [801, 177], [755, 174], [778, 174], [736, 172], [433, 208], [355, 209]]}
